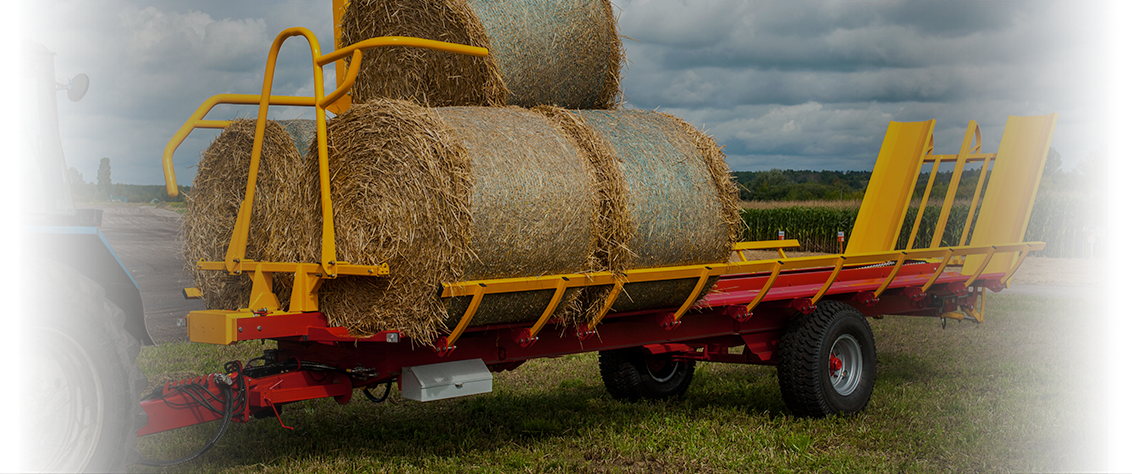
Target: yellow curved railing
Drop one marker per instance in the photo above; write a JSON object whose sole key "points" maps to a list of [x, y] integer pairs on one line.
{"points": [[329, 265]]}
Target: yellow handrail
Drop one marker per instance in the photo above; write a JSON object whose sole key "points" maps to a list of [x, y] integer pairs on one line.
{"points": [[237, 247], [196, 121]]}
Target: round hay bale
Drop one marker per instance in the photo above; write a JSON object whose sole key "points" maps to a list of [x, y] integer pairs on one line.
{"points": [[533, 208], [564, 53], [399, 187], [452, 194], [681, 202], [214, 202]]}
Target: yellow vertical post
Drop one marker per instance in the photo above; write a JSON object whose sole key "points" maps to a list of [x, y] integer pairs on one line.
{"points": [[923, 203], [894, 178], [237, 246], [965, 150], [1013, 185], [343, 103], [963, 238]]}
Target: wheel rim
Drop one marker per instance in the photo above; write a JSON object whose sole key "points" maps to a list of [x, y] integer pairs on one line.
{"points": [[67, 397], [845, 365], [662, 370]]}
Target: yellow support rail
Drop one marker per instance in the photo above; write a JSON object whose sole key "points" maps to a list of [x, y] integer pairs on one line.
{"points": [[479, 288]]}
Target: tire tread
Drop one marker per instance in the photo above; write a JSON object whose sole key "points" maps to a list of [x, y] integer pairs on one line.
{"points": [[801, 364]]}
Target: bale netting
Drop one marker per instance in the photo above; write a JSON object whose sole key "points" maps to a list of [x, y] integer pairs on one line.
{"points": [[682, 204], [214, 202], [564, 53], [303, 133], [445, 195]]}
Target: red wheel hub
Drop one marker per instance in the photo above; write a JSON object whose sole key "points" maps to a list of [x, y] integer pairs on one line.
{"points": [[834, 363]]}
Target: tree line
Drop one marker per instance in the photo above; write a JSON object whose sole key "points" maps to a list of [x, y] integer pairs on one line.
{"points": [[1089, 174], [104, 189]]}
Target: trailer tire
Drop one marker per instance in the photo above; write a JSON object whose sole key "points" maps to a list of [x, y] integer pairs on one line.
{"points": [[827, 362], [631, 374], [84, 384]]}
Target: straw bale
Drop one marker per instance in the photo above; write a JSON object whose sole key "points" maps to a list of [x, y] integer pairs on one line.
{"points": [[469, 193], [446, 195], [611, 225], [213, 204], [400, 188], [532, 207], [683, 211], [565, 53]]}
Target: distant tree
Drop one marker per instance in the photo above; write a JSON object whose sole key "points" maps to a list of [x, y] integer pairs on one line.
{"points": [[104, 184], [74, 177], [1094, 170], [80, 190]]}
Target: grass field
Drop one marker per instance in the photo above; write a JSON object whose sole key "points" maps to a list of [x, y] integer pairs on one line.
{"points": [[1012, 394]]}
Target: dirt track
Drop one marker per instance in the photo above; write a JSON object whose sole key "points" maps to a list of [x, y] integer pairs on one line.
{"points": [[147, 239]]}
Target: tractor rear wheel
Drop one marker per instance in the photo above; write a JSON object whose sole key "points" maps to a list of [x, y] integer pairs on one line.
{"points": [[631, 374], [827, 362], [83, 381]]}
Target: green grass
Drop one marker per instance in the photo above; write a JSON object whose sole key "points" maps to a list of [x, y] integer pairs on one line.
{"points": [[1008, 395]]}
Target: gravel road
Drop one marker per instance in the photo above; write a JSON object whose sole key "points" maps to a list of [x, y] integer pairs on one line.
{"points": [[147, 240]]}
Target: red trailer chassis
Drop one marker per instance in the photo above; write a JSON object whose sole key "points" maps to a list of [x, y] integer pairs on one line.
{"points": [[318, 361]]}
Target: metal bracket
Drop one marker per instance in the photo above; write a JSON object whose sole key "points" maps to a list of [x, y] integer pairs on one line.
{"points": [[803, 305], [667, 321], [866, 298]]}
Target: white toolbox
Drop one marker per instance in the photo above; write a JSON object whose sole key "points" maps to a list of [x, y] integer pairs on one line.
{"points": [[425, 383]]}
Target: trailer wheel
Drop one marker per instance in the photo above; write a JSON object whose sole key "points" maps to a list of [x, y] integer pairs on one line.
{"points": [[632, 374], [827, 362], [83, 382]]}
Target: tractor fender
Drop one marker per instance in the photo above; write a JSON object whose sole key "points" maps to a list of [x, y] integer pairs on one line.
{"points": [[87, 251]]}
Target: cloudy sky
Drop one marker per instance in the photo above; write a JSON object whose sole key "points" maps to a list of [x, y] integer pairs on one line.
{"points": [[781, 84]]}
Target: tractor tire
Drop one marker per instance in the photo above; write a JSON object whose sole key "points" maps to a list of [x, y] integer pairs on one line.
{"points": [[827, 362], [83, 383], [632, 374]]}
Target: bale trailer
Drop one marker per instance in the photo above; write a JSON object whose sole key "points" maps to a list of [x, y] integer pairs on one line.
{"points": [[805, 315]]}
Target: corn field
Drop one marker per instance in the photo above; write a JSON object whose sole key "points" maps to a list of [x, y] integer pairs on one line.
{"points": [[1063, 221]]}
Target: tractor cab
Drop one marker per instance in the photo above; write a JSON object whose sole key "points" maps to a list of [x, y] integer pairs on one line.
{"points": [[50, 225], [44, 190]]}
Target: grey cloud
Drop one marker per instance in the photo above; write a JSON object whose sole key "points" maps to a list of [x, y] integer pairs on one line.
{"points": [[152, 63], [799, 84]]}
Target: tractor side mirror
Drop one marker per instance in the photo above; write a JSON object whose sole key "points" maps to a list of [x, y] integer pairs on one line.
{"points": [[76, 90]]}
